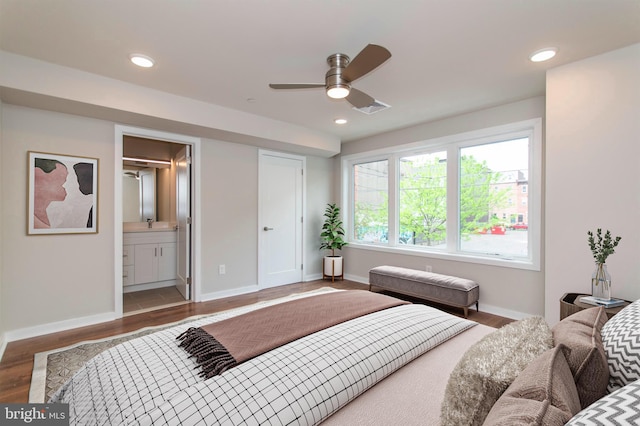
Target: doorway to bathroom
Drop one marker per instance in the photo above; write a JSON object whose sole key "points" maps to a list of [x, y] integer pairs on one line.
{"points": [[157, 215]]}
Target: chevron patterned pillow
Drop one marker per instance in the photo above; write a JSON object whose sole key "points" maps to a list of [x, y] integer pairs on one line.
{"points": [[621, 340], [621, 407]]}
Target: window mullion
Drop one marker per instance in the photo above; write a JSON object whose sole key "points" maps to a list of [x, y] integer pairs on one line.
{"points": [[348, 207], [453, 198], [393, 200]]}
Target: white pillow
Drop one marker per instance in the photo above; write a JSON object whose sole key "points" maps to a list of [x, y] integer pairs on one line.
{"points": [[621, 340], [621, 407]]}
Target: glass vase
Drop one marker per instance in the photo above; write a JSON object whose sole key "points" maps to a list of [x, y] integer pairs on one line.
{"points": [[601, 282]]}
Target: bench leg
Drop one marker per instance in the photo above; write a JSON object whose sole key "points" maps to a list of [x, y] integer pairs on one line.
{"points": [[466, 312], [477, 307]]}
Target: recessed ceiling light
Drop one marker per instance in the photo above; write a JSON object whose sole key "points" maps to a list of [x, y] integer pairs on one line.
{"points": [[340, 121], [141, 60], [543, 54]]}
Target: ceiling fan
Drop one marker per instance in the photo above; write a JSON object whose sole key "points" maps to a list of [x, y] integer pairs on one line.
{"points": [[344, 71]]}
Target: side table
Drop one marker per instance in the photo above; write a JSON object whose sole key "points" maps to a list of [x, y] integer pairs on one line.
{"points": [[570, 304]]}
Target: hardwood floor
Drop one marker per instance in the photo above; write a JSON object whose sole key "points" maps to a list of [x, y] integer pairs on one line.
{"points": [[17, 363]]}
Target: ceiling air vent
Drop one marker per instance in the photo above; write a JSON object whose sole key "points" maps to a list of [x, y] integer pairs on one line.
{"points": [[373, 107]]}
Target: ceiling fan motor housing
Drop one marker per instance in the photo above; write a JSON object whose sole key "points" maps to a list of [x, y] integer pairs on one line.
{"points": [[333, 79]]}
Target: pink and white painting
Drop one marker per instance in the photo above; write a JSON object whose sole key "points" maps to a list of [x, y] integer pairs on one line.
{"points": [[63, 194]]}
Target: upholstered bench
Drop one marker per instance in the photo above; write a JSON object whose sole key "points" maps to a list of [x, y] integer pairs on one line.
{"points": [[445, 289]]}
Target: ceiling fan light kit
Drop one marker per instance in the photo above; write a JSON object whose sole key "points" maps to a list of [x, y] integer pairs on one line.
{"points": [[343, 72], [339, 91]]}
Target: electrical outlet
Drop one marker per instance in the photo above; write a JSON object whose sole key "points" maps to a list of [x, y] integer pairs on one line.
{"points": [[428, 268], [222, 270]]}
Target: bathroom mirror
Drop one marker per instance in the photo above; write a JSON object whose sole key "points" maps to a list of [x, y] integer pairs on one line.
{"points": [[138, 194], [148, 180]]}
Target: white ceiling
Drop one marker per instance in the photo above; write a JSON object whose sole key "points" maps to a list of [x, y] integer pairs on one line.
{"points": [[449, 56]]}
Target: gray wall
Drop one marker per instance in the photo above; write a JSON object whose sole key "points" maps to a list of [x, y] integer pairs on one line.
{"points": [[592, 163], [320, 180], [52, 282], [229, 197], [230, 210], [53, 278]]}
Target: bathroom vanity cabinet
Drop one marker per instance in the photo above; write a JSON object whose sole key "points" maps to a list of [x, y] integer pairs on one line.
{"points": [[149, 259]]}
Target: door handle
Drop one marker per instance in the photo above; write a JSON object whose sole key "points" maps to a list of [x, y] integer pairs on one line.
{"points": [[266, 228]]}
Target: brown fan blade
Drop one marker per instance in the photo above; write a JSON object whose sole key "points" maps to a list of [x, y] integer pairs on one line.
{"points": [[359, 99], [369, 58], [295, 86]]}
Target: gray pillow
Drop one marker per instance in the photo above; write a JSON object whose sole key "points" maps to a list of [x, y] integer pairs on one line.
{"points": [[580, 332], [544, 394], [487, 369]]}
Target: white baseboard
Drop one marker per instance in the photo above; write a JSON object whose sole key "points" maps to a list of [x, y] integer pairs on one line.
{"points": [[507, 313], [39, 330], [314, 277], [356, 278], [204, 297]]}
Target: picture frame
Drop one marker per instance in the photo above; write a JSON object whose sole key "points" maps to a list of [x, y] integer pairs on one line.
{"points": [[62, 195]]}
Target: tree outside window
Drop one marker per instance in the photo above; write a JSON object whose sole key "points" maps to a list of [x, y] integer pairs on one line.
{"points": [[371, 201], [423, 199]]}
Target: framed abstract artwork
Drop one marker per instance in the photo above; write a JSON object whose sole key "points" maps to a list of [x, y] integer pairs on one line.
{"points": [[63, 194]]}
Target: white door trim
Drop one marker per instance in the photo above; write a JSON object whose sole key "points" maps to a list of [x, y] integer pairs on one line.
{"points": [[183, 218], [120, 132], [303, 160]]}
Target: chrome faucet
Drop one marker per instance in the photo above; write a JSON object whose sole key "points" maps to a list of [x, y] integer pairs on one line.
{"points": [[149, 221]]}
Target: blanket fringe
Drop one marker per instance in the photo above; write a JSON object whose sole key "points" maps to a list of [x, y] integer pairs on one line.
{"points": [[212, 357]]}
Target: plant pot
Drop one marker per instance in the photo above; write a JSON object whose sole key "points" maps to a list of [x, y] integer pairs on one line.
{"points": [[333, 267]]}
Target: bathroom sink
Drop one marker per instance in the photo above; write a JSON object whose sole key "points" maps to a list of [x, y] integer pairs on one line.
{"points": [[144, 227]]}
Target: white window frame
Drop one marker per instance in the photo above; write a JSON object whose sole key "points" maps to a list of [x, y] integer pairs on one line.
{"points": [[452, 144]]}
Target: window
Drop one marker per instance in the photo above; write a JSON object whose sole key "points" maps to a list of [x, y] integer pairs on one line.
{"points": [[370, 201], [475, 197], [423, 199], [489, 176]]}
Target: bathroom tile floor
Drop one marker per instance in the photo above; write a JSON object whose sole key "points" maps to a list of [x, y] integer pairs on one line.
{"points": [[147, 300]]}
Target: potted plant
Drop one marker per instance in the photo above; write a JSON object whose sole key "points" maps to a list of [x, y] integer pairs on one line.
{"points": [[601, 247], [332, 239]]}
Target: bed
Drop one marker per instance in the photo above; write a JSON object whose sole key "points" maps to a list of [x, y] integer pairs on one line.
{"points": [[151, 380], [393, 366]]}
